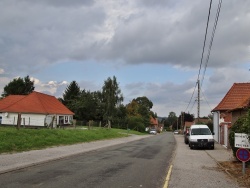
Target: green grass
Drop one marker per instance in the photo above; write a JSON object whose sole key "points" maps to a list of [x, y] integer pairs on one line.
{"points": [[13, 140]]}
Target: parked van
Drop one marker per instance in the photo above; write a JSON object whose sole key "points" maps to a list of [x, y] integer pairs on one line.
{"points": [[200, 136]]}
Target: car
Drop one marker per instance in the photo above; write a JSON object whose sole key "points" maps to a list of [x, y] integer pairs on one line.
{"points": [[152, 131], [200, 136], [176, 132], [186, 136]]}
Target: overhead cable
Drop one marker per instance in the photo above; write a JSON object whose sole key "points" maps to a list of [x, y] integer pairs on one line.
{"points": [[212, 38], [204, 44]]}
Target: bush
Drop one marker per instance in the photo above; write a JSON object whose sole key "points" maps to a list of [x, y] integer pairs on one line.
{"points": [[242, 125], [136, 123]]}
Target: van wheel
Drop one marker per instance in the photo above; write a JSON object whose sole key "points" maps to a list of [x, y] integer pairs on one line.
{"points": [[212, 147]]}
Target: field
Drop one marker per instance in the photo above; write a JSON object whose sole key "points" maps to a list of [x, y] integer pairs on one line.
{"points": [[13, 140]]}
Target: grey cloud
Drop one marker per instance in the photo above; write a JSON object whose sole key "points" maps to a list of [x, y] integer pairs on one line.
{"points": [[171, 34], [40, 36], [61, 3], [152, 40]]}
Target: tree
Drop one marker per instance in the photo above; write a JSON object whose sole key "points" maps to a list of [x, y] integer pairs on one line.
{"points": [[136, 123], [85, 106], [132, 108], [144, 101], [19, 86], [139, 108], [172, 120], [71, 93], [188, 117], [120, 118], [112, 96]]}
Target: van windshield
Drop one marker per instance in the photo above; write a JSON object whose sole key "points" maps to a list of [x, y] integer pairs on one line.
{"points": [[199, 131]]}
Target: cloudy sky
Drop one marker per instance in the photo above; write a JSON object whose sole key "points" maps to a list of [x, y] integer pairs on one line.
{"points": [[153, 48]]}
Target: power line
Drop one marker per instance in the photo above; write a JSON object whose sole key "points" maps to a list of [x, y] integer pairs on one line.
{"points": [[206, 100], [209, 49], [204, 43], [191, 97], [212, 38]]}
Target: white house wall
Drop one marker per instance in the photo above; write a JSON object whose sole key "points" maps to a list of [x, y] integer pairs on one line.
{"points": [[9, 118], [35, 119], [27, 119]]}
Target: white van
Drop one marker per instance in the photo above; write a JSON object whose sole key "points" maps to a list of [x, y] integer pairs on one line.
{"points": [[200, 136]]}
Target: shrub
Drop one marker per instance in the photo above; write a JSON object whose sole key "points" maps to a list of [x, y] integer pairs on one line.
{"points": [[136, 123], [242, 125]]}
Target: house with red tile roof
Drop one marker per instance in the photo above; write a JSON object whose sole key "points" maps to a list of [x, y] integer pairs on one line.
{"points": [[154, 123], [36, 109], [188, 124], [234, 104]]}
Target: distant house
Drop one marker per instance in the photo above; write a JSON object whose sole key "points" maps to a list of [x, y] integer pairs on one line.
{"points": [[35, 109], [188, 124], [202, 120], [234, 104], [155, 124]]}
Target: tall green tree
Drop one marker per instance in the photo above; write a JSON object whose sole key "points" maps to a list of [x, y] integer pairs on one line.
{"points": [[120, 118], [85, 107], [172, 120], [71, 93], [188, 117], [112, 97], [141, 108], [144, 101], [19, 86]]}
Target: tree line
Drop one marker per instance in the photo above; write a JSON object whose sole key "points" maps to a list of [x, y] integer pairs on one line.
{"points": [[104, 106]]}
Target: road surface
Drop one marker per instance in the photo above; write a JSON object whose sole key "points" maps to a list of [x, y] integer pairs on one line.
{"points": [[142, 163]]}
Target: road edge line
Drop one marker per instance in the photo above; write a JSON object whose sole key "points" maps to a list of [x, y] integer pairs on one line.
{"points": [[168, 176]]}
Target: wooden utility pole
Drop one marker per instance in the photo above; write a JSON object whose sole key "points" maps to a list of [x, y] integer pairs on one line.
{"points": [[19, 119], [198, 111], [182, 120]]}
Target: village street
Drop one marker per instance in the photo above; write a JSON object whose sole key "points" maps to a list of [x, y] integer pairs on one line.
{"points": [[161, 160]]}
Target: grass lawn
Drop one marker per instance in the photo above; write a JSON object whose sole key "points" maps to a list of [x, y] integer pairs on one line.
{"points": [[13, 140]]}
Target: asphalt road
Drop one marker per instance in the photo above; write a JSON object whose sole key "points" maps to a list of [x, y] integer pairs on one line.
{"points": [[142, 163]]}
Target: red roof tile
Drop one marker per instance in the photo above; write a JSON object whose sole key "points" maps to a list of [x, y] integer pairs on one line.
{"points": [[11, 99], [245, 103], [33, 103], [235, 97]]}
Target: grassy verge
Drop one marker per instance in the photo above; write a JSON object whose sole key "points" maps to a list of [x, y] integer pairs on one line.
{"points": [[13, 140]]}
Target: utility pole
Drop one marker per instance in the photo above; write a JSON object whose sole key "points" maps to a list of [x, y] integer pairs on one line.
{"points": [[182, 120], [198, 111]]}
